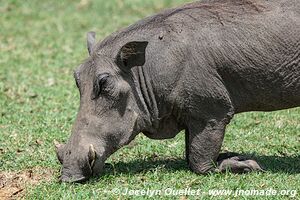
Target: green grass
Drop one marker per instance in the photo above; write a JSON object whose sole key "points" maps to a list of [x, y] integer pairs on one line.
{"points": [[41, 42]]}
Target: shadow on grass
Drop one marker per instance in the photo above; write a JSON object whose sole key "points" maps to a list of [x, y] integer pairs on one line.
{"points": [[142, 166], [278, 164], [274, 164]]}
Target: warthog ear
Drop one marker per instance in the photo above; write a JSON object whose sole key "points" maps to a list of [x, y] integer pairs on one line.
{"points": [[132, 54], [91, 38], [59, 150], [92, 155]]}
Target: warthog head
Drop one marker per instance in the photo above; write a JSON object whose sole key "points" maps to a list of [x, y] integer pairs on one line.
{"points": [[109, 113]]}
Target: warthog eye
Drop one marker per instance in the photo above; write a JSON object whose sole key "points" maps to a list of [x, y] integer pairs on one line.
{"points": [[100, 83]]}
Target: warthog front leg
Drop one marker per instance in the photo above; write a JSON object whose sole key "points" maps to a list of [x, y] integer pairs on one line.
{"points": [[204, 142]]}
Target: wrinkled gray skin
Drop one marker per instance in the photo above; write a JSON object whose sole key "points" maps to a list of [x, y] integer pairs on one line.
{"points": [[190, 68]]}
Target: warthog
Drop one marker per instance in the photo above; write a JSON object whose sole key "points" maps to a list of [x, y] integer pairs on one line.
{"points": [[190, 68]]}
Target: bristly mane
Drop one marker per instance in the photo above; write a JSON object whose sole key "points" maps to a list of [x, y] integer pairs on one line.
{"points": [[216, 8]]}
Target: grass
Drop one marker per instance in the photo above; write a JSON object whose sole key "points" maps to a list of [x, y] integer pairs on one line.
{"points": [[41, 42]]}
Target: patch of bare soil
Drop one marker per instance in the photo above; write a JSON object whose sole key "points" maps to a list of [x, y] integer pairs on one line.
{"points": [[13, 184]]}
